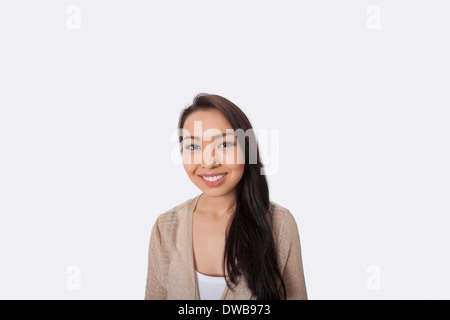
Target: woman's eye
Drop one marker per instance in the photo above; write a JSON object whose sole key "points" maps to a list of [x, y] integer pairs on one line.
{"points": [[226, 144], [192, 147]]}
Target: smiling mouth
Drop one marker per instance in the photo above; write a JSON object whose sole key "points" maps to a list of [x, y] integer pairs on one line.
{"points": [[213, 180], [213, 177]]}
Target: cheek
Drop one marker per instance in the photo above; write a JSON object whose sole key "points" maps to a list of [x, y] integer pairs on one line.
{"points": [[232, 157], [187, 158], [237, 172], [192, 157], [240, 170], [189, 168], [240, 157]]}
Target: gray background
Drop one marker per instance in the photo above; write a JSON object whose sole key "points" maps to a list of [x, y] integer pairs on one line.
{"points": [[86, 117]]}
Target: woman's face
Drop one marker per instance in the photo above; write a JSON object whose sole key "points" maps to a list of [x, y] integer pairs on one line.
{"points": [[212, 157]]}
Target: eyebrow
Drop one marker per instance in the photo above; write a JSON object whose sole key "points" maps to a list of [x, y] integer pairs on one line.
{"points": [[216, 136]]}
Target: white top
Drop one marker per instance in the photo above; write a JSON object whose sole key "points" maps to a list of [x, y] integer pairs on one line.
{"points": [[210, 288]]}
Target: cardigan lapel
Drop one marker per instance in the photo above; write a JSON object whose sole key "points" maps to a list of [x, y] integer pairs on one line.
{"points": [[184, 244], [185, 247]]}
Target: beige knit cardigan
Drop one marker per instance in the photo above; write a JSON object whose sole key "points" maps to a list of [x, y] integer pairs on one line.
{"points": [[171, 273]]}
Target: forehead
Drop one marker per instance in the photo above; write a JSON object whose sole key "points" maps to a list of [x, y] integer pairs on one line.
{"points": [[210, 119]]}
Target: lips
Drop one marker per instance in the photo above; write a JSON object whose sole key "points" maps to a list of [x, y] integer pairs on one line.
{"points": [[213, 179]]}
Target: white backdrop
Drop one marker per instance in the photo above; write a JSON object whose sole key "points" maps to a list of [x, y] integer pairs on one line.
{"points": [[90, 93]]}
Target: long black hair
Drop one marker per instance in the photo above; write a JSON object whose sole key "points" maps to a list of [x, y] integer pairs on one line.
{"points": [[249, 246]]}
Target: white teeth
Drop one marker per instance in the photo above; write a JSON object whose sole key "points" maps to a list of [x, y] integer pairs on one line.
{"points": [[212, 179]]}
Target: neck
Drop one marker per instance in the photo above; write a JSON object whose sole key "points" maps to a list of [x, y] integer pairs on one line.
{"points": [[218, 205]]}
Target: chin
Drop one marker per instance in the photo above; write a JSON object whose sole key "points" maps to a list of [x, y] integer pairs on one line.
{"points": [[214, 192]]}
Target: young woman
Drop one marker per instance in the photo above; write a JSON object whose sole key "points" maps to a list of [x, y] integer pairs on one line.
{"points": [[230, 241]]}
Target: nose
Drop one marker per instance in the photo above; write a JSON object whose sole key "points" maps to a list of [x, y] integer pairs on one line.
{"points": [[209, 159]]}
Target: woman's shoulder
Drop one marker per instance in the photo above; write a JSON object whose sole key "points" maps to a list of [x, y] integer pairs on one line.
{"points": [[283, 221], [172, 216], [279, 212], [178, 209]]}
